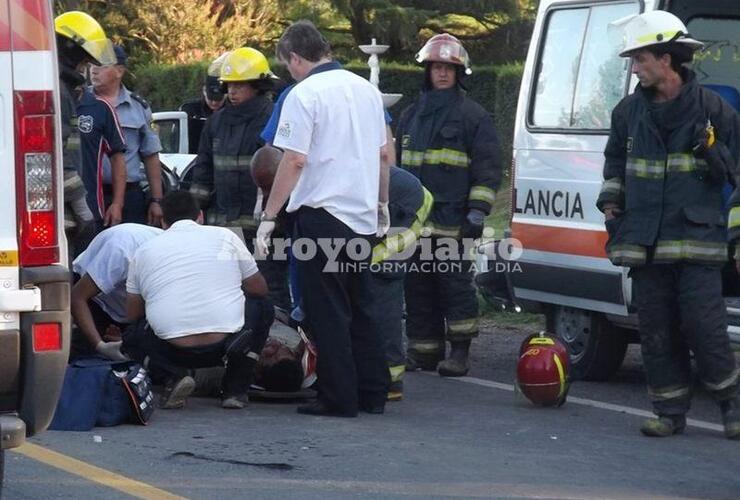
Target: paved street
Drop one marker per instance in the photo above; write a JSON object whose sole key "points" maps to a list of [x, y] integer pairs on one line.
{"points": [[470, 438]]}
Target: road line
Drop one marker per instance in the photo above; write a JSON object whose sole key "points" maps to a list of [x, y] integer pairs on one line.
{"points": [[92, 473], [701, 424]]}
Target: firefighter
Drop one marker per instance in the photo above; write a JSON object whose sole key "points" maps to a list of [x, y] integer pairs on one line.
{"points": [[221, 174], [80, 40], [211, 100], [448, 141], [671, 148]]}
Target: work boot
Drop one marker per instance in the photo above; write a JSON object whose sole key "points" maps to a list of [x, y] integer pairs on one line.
{"points": [[457, 364], [417, 362], [664, 425], [176, 393], [234, 402], [395, 391], [731, 418]]}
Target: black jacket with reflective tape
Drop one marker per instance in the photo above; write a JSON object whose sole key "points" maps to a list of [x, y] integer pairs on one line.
{"points": [[672, 207], [221, 174], [461, 167]]}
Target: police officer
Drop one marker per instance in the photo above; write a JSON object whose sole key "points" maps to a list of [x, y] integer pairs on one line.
{"points": [[672, 147], [409, 205], [142, 144], [211, 99], [449, 142], [80, 40]]}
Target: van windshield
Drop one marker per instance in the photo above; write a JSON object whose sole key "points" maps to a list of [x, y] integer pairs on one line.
{"points": [[719, 62]]}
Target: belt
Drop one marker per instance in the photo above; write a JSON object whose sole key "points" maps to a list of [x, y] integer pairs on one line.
{"points": [[130, 186]]}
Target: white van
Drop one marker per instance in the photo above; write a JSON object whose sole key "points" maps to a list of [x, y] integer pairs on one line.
{"points": [[34, 278], [572, 80]]}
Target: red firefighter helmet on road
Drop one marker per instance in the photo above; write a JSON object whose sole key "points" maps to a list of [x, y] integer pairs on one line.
{"points": [[542, 371], [445, 48]]}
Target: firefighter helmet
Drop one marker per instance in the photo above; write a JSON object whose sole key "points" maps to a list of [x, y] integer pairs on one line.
{"points": [[654, 28], [542, 371], [445, 48], [245, 64], [214, 88], [86, 32]]}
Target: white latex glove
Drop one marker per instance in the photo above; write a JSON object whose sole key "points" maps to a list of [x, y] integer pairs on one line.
{"points": [[264, 232], [384, 219], [257, 213], [111, 350]]}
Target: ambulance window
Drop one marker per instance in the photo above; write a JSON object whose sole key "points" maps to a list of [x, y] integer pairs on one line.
{"points": [[580, 76], [558, 68], [602, 79], [719, 62]]}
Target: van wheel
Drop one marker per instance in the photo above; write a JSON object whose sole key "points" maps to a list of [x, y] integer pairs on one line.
{"points": [[596, 347]]}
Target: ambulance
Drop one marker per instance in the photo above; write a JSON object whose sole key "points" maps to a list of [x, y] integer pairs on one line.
{"points": [[572, 80], [34, 274]]}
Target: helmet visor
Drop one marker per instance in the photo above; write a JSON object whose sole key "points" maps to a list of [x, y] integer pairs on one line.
{"points": [[101, 51]]}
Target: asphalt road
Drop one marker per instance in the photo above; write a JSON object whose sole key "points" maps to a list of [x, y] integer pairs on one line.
{"points": [[471, 438]]}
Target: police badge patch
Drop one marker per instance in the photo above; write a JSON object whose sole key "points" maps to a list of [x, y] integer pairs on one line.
{"points": [[85, 123]]}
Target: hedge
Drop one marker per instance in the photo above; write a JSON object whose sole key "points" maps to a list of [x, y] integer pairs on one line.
{"points": [[495, 87]]}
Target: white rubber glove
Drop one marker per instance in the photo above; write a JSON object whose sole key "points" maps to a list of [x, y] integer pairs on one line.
{"points": [[111, 350], [384, 219], [257, 213], [262, 245]]}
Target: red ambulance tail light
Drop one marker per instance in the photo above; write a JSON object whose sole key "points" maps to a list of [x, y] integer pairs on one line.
{"points": [[38, 241], [47, 337]]}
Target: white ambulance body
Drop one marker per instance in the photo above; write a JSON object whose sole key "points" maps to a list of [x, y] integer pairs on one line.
{"points": [[34, 278], [572, 80]]}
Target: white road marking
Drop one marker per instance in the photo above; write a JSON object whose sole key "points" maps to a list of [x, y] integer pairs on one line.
{"points": [[701, 424]]}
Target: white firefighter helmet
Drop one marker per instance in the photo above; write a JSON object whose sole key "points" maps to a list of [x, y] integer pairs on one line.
{"points": [[653, 28]]}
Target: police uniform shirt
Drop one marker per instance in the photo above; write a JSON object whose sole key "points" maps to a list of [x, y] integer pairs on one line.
{"points": [[100, 135], [106, 262], [341, 143], [135, 117]]}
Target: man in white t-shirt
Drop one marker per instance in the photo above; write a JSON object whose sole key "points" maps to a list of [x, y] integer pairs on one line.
{"points": [[99, 296], [191, 285], [332, 128]]}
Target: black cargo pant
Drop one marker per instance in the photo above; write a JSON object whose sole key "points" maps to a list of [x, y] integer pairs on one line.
{"points": [[239, 351], [387, 289], [441, 303], [340, 316], [275, 271], [135, 206], [680, 308]]}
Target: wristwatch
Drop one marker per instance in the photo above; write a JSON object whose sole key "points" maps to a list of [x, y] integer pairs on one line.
{"points": [[158, 201]]}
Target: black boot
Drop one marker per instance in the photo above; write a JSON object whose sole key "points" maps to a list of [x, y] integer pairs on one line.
{"points": [[731, 417], [457, 364]]}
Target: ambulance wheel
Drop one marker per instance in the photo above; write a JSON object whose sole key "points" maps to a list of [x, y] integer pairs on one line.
{"points": [[596, 347]]}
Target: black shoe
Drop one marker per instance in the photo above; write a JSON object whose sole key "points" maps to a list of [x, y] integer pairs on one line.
{"points": [[378, 409], [731, 418], [319, 409]]}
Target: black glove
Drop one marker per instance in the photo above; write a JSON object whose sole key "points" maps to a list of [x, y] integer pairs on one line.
{"points": [[473, 225]]}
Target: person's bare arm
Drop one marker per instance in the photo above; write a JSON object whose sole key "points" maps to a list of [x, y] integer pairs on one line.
{"points": [[84, 290], [134, 306], [288, 173], [154, 176], [387, 159], [114, 212], [255, 286]]}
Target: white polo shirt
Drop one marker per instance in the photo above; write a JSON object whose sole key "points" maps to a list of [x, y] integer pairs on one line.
{"points": [[106, 262], [190, 278], [336, 119]]}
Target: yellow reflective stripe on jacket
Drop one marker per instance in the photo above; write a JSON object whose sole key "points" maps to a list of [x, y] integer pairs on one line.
{"points": [[228, 163], [733, 220], [422, 347], [444, 156], [627, 254], [482, 193], [243, 221], [397, 372], [690, 249], [724, 384], [462, 326], [679, 162], [432, 229], [397, 243], [201, 192], [613, 187], [645, 169], [666, 393]]}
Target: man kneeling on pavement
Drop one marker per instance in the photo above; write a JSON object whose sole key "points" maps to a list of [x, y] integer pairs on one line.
{"points": [[205, 302]]}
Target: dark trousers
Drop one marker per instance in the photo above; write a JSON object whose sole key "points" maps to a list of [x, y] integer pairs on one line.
{"points": [[135, 207], [238, 352], [340, 315], [680, 308], [441, 303], [387, 289], [274, 271]]}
